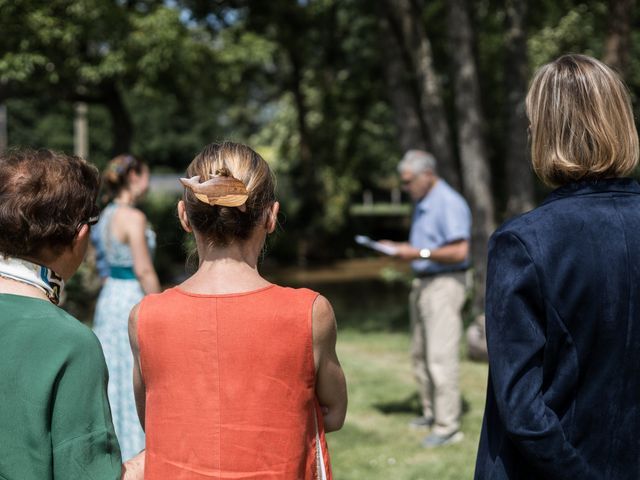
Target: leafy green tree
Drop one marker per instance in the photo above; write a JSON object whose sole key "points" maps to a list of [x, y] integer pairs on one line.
{"points": [[96, 51], [330, 112], [330, 92]]}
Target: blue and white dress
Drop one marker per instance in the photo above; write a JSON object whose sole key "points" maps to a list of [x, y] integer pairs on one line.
{"points": [[120, 292]]}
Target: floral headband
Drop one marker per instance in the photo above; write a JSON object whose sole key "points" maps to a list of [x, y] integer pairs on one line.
{"points": [[222, 189]]}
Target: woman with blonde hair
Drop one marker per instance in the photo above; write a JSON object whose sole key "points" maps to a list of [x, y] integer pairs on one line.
{"points": [[127, 243], [235, 377], [563, 305]]}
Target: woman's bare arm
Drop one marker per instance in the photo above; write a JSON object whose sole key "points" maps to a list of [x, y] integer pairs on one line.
{"points": [[135, 228], [331, 386], [138, 381]]}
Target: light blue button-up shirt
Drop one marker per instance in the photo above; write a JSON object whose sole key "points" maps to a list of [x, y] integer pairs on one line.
{"points": [[441, 217]]}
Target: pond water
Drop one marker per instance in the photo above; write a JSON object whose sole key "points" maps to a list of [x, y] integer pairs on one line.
{"points": [[366, 293]]}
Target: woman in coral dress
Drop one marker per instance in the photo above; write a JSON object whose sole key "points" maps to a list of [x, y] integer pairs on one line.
{"points": [[235, 377]]}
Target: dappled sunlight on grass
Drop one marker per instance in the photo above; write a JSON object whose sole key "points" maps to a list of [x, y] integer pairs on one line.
{"points": [[376, 442]]}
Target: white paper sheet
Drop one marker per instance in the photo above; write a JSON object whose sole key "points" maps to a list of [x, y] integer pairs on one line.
{"points": [[377, 246]]}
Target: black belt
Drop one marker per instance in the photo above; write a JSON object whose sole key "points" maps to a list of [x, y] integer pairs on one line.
{"points": [[435, 274]]}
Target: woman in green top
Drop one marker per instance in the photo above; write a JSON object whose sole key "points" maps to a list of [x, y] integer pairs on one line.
{"points": [[55, 421]]}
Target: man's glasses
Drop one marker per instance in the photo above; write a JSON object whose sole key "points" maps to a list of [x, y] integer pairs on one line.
{"points": [[407, 181]]}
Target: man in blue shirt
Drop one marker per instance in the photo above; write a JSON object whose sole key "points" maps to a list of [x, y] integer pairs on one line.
{"points": [[438, 249]]}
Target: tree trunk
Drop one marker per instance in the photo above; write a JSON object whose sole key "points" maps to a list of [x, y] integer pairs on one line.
{"points": [[520, 186], [4, 140], [617, 49], [81, 130], [405, 19], [304, 174], [409, 123], [121, 128], [475, 167], [306, 157]]}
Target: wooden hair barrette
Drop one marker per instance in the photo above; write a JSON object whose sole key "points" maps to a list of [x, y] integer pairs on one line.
{"points": [[222, 189]]}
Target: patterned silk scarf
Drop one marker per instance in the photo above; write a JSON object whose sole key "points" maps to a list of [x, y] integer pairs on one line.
{"points": [[33, 274]]}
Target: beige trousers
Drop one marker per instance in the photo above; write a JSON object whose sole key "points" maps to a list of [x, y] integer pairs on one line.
{"points": [[436, 327]]}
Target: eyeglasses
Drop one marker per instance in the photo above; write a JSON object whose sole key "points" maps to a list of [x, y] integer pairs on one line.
{"points": [[407, 181], [93, 219]]}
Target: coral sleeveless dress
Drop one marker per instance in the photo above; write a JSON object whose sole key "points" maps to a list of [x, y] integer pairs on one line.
{"points": [[230, 386]]}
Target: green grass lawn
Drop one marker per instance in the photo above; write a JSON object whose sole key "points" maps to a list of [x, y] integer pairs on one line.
{"points": [[376, 442]]}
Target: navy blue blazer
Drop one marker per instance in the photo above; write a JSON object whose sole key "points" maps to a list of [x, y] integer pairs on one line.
{"points": [[563, 331]]}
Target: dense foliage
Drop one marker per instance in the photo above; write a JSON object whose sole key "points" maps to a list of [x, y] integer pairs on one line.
{"points": [[309, 84]]}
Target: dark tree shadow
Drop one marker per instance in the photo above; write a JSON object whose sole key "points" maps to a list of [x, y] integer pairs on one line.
{"points": [[369, 306], [411, 404]]}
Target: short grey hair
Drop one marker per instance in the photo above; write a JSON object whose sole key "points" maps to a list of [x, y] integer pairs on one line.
{"points": [[417, 161]]}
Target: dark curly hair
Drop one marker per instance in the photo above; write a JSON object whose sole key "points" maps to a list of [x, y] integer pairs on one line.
{"points": [[45, 197]]}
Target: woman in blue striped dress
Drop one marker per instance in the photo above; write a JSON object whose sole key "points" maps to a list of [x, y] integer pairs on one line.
{"points": [[127, 242]]}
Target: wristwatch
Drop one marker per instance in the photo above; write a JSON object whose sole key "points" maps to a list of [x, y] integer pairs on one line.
{"points": [[425, 253]]}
